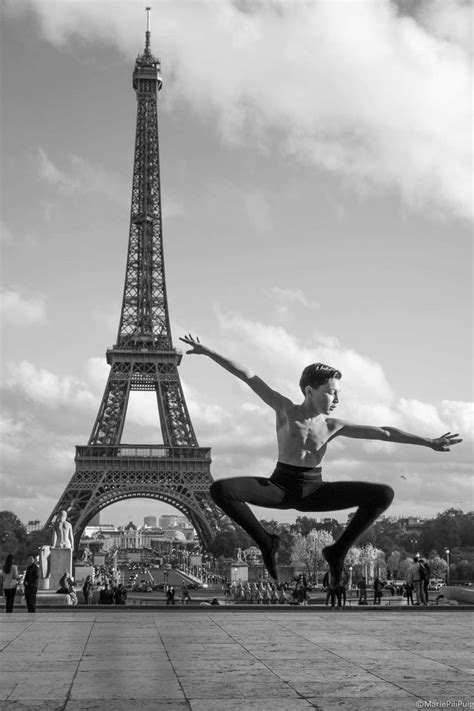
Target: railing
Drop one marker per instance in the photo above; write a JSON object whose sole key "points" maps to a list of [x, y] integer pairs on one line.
{"points": [[142, 450]]}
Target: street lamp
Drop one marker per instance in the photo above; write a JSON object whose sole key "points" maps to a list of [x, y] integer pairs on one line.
{"points": [[350, 577], [447, 560], [413, 542]]}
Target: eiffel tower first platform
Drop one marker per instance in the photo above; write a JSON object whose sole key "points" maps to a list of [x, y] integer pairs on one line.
{"points": [[143, 358]]}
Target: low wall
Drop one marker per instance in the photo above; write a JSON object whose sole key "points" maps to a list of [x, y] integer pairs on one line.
{"points": [[45, 598], [463, 596]]}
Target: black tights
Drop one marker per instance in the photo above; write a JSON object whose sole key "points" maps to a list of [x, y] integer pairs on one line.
{"points": [[303, 490]]}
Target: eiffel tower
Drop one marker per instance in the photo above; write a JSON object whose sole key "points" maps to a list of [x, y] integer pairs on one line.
{"points": [[143, 358]]}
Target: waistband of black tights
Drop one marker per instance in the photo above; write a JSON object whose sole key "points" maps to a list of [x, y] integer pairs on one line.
{"points": [[297, 472]]}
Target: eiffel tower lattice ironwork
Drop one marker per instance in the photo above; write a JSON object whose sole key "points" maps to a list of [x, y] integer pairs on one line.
{"points": [[143, 358]]}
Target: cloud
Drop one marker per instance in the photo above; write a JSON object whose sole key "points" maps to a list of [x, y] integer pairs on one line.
{"points": [[286, 298], [22, 310], [46, 388], [371, 94], [83, 177], [51, 174], [448, 21]]}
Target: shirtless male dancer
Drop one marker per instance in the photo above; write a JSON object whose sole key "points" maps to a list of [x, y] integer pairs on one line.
{"points": [[303, 433]]}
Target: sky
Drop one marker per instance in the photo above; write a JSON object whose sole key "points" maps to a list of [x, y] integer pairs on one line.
{"points": [[316, 175]]}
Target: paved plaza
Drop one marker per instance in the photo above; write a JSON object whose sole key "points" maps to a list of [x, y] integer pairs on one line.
{"points": [[205, 659]]}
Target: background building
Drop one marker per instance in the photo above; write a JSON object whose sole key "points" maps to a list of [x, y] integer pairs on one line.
{"points": [[171, 521]]}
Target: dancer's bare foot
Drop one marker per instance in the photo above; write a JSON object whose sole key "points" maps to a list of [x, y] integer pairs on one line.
{"points": [[269, 555], [336, 567]]}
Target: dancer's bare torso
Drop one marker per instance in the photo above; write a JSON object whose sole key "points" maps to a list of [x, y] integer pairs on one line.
{"points": [[303, 442]]}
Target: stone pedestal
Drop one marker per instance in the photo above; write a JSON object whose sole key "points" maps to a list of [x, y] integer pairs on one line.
{"points": [[60, 563], [44, 583]]}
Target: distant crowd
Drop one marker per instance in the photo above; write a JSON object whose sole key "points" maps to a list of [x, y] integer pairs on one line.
{"points": [[102, 588]]}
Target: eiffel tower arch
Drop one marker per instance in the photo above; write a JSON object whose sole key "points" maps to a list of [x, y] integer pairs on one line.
{"points": [[143, 358]]}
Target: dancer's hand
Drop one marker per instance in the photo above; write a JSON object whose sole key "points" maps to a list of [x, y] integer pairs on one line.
{"points": [[194, 342], [443, 443]]}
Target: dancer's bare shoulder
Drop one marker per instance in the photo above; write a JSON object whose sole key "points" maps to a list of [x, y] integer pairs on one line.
{"points": [[271, 397]]}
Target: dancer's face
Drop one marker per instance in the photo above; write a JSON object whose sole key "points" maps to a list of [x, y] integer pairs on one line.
{"points": [[326, 397]]}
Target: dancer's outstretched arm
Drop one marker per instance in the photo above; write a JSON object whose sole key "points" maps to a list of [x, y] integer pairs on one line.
{"points": [[392, 434], [260, 388]]}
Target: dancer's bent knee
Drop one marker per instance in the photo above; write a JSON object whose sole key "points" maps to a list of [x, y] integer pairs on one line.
{"points": [[385, 495]]}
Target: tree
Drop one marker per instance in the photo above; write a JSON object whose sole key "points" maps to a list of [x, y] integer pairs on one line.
{"points": [[307, 550], [369, 555], [438, 567], [13, 535], [393, 564], [404, 567], [226, 542]]}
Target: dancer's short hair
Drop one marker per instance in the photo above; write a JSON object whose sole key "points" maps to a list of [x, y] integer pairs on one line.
{"points": [[317, 374]]}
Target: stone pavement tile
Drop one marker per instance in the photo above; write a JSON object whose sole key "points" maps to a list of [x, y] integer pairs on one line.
{"points": [[365, 704], [48, 705], [103, 685], [209, 689], [103, 648], [221, 704], [123, 663], [435, 690], [17, 661], [376, 661], [41, 664], [371, 687], [127, 704], [5, 690], [323, 674], [272, 689]]}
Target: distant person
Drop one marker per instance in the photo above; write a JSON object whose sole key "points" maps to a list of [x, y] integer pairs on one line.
{"points": [[378, 591], [362, 587], [31, 582], [408, 591], [87, 590], [414, 577], [341, 591], [330, 594], [106, 595], [170, 593], [120, 595], [303, 434], [425, 573], [10, 582]]}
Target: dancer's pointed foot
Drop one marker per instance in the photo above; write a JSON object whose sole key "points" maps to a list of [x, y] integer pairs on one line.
{"points": [[336, 567], [269, 555]]}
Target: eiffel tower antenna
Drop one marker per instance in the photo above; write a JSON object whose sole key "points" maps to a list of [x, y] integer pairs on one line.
{"points": [[147, 37], [143, 358]]}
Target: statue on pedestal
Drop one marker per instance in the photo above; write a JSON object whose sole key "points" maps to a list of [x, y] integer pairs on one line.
{"points": [[86, 556], [45, 556], [62, 532]]}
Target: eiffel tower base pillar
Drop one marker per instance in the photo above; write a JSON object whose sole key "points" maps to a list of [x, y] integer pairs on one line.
{"points": [[60, 563]]}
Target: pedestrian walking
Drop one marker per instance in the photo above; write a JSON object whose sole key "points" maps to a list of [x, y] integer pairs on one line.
{"points": [[414, 577], [10, 582], [425, 572], [31, 582], [170, 593], [378, 591], [87, 590]]}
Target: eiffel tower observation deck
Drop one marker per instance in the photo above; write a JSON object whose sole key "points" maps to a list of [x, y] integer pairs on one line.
{"points": [[143, 358]]}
